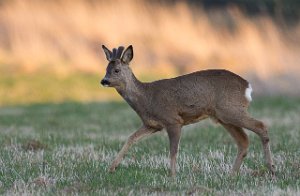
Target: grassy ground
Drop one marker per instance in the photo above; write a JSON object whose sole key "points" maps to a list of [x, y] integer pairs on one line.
{"points": [[66, 148]]}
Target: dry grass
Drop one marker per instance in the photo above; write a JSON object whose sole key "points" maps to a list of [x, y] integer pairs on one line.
{"points": [[64, 36]]}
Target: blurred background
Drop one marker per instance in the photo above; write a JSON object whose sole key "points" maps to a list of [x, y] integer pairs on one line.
{"points": [[50, 51]]}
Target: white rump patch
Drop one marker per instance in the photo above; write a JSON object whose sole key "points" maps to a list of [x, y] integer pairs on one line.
{"points": [[248, 92]]}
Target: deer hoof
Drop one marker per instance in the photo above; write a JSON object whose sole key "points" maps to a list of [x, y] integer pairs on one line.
{"points": [[172, 174], [272, 169], [233, 173], [273, 175], [112, 169]]}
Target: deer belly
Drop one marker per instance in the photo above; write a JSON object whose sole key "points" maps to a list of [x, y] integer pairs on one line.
{"points": [[189, 119]]}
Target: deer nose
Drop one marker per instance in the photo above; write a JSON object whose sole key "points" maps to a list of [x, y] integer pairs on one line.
{"points": [[105, 82]]}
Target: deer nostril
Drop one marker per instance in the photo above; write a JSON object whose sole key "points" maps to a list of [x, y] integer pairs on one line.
{"points": [[105, 82]]}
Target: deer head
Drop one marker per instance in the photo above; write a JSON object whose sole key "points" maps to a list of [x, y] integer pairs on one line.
{"points": [[118, 73]]}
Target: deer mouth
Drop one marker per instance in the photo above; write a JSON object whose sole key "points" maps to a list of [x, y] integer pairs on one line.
{"points": [[109, 85]]}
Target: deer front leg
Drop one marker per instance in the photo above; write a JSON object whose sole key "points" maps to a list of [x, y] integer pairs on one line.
{"points": [[174, 133], [136, 136]]}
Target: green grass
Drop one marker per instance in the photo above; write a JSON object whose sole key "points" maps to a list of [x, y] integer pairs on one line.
{"points": [[67, 148], [49, 87], [46, 86]]}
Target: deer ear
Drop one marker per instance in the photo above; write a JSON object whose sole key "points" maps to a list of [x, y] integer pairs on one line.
{"points": [[107, 52], [127, 55]]}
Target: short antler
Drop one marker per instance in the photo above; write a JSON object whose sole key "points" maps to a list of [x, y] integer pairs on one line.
{"points": [[115, 54]]}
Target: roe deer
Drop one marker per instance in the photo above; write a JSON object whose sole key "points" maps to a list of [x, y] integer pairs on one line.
{"points": [[173, 103]]}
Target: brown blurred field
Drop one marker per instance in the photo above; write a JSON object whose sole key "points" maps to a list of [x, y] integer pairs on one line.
{"points": [[59, 40]]}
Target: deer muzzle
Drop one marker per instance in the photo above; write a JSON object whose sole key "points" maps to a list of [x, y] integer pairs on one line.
{"points": [[105, 82]]}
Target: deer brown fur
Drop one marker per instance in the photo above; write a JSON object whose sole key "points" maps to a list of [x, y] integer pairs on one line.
{"points": [[172, 103]]}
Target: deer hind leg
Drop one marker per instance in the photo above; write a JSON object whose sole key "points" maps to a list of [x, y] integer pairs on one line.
{"points": [[135, 137], [260, 129], [242, 142], [241, 119]]}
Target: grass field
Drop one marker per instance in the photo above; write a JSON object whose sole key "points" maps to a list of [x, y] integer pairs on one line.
{"points": [[66, 148]]}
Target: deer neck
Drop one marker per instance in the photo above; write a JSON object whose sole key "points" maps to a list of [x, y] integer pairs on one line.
{"points": [[132, 91]]}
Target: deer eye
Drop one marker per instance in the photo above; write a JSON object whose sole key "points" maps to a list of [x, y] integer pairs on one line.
{"points": [[117, 71]]}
